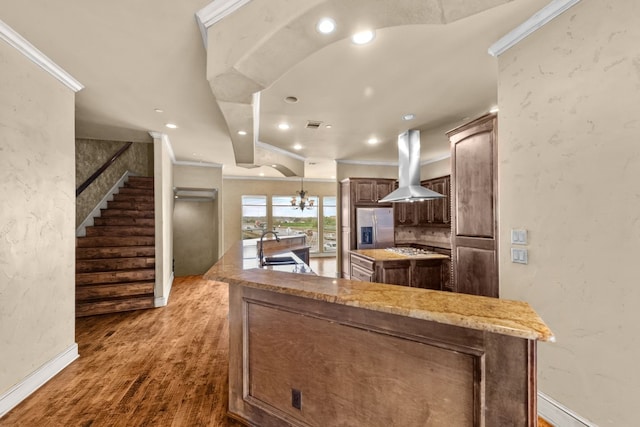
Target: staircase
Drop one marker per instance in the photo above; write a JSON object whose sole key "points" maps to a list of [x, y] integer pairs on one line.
{"points": [[115, 262]]}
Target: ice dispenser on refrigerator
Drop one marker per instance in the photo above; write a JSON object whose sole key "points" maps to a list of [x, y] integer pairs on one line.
{"points": [[374, 227]]}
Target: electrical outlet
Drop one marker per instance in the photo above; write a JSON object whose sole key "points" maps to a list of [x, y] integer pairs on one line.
{"points": [[296, 398]]}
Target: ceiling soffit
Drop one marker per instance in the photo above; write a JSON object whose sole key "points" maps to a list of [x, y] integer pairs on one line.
{"points": [[278, 34]]}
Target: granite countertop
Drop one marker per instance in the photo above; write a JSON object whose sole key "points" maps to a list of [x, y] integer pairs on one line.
{"points": [[384, 255], [506, 317]]}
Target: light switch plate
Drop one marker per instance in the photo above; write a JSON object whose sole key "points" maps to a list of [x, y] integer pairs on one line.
{"points": [[519, 255], [518, 237]]}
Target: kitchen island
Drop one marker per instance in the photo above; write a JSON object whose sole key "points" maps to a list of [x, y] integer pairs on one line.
{"points": [[426, 270], [307, 350]]}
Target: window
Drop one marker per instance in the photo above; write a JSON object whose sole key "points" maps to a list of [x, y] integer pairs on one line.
{"points": [[289, 220], [254, 216], [329, 238]]}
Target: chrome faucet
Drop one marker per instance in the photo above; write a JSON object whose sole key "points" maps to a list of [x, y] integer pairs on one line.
{"points": [[261, 250]]}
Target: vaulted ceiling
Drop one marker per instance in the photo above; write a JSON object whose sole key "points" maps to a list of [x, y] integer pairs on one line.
{"points": [[428, 58]]}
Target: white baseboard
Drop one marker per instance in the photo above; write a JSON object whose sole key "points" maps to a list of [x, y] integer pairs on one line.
{"points": [[559, 415], [37, 379], [81, 231], [163, 301]]}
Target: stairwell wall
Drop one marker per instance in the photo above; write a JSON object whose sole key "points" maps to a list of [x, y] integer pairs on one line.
{"points": [[37, 238], [91, 154]]}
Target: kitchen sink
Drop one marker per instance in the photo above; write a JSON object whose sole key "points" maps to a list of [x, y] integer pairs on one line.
{"points": [[279, 260]]}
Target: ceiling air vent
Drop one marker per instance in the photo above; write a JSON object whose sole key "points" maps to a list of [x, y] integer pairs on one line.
{"points": [[313, 124]]}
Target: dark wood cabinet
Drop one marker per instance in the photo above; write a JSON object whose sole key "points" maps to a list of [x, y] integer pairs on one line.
{"points": [[369, 191], [429, 213], [416, 273], [474, 195], [404, 213], [355, 193]]}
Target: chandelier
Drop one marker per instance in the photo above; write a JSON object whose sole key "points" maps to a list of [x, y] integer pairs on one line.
{"points": [[300, 200]]}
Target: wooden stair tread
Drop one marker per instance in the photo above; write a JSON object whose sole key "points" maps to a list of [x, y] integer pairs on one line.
{"points": [[115, 276], [96, 241], [109, 264], [103, 252], [112, 291], [135, 213], [116, 220], [120, 230], [113, 306]]}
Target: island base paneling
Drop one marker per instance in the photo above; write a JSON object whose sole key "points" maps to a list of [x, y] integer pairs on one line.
{"points": [[354, 366]]}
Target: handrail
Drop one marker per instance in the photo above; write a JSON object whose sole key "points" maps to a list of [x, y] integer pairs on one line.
{"points": [[102, 168]]}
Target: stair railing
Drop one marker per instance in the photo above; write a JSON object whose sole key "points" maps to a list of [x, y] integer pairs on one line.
{"points": [[102, 168]]}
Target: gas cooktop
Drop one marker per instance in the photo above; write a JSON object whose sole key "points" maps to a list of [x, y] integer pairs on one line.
{"points": [[409, 251]]}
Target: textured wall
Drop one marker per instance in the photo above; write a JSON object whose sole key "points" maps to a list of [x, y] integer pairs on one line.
{"points": [[91, 154], [569, 153], [37, 239], [196, 225]]}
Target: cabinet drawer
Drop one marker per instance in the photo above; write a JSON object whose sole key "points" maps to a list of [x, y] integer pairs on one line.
{"points": [[358, 273], [362, 262]]}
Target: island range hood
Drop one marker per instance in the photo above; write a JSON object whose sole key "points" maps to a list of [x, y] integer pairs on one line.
{"points": [[409, 188]]}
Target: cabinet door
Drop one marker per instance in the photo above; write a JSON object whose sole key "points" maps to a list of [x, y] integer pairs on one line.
{"points": [[427, 275], [404, 213], [365, 191], [383, 188], [438, 214], [345, 246], [474, 195], [394, 273]]}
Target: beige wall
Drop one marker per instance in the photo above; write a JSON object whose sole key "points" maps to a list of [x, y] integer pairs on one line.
{"points": [[235, 188], [163, 194], [351, 170], [37, 238], [196, 225], [436, 169], [91, 155], [569, 171]]}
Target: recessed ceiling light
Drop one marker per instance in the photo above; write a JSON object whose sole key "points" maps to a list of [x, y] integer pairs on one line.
{"points": [[333, 177], [363, 37], [409, 116], [326, 26], [158, 110], [261, 173], [291, 100], [328, 126], [297, 147], [242, 132], [274, 166], [283, 126], [171, 126], [372, 141], [494, 110]]}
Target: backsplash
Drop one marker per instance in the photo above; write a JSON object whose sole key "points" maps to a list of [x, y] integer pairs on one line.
{"points": [[428, 236]]}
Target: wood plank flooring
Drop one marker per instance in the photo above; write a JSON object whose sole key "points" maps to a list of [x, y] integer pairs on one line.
{"points": [[160, 367]]}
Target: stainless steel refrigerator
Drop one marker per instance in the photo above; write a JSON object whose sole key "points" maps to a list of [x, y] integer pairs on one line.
{"points": [[374, 227]]}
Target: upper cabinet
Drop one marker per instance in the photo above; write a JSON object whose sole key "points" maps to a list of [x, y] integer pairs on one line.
{"points": [[369, 191], [434, 213]]}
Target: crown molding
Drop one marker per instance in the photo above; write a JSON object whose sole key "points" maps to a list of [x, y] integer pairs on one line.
{"points": [[531, 25], [435, 159], [199, 164], [21, 44], [214, 12], [276, 178], [366, 163]]}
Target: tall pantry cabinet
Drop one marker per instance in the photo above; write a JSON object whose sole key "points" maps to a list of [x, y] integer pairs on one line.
{"points": [[474, 212]]}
